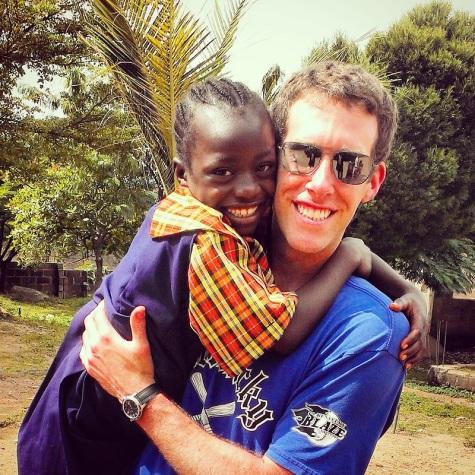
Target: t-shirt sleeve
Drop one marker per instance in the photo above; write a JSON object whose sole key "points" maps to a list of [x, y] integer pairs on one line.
{"points": [[336, 415], [235, 308]]}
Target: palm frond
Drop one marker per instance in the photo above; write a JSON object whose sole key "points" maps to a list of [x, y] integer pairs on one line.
{"points": [[224, 27], [270, 84], [120, 45], [157, 51]]}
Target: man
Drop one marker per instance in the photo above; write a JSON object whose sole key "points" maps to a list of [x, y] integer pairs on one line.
{"points": [[323, 408]]}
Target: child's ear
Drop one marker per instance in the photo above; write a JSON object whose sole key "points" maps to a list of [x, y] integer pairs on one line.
{"points": [[180, 171]]}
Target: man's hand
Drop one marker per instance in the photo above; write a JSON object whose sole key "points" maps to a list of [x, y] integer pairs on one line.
{"points": [[120, 366], [413, 347], [124, 367]]}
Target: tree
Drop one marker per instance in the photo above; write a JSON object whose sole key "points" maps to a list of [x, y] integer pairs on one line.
{"points": [[41, 36], [94, 206], [7, 250], [78, 185], [156, 50], [429, 194]]}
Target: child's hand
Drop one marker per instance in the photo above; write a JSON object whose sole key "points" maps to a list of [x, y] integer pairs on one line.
{"points": [[413, 346], [358, 250]]}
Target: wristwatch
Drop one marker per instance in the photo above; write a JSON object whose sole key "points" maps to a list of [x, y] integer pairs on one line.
{"points": [[133, 405]]}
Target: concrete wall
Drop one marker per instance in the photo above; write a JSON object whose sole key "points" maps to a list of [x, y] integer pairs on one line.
{"points": [[459, 313], [50, 279]]}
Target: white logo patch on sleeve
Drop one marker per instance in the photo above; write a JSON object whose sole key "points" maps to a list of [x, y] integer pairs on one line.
{"points": [[321, 426]]}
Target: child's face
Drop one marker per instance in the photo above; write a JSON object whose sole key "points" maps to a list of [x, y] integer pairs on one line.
{"points": [[232, 164]]}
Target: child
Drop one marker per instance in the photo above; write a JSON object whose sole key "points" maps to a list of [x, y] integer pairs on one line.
{"points": [[200, 234]]}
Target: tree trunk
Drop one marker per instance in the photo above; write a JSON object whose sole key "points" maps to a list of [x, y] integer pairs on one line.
{"points": [[99, 268], [3, 269], [3, 277]]}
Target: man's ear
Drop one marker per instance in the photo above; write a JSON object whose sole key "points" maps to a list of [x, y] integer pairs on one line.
{"points": [[180, 171], [377, 179]]}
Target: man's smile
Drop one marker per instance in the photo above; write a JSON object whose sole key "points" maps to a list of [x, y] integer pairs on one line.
{"points": [[314, 214]]}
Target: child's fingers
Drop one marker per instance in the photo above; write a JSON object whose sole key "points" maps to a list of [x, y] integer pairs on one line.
{"points": [[412, 337], [412, 355], [411, 350], [395, 306], [411, 362], [400, 304]]}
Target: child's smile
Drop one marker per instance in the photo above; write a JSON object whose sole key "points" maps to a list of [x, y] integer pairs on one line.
{"points": [[232, 164]]}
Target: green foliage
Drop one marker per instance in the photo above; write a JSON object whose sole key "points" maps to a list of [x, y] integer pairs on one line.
{"points": [[424, 219], [347, 51], [40, 35], [271, 83], [94, 207], [76, 179], [156, 51]]}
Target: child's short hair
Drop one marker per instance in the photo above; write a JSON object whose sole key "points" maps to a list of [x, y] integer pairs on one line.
{"points": [[212, 92]]}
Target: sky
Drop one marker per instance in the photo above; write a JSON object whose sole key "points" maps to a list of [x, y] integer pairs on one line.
{"points": [[284, 31]]}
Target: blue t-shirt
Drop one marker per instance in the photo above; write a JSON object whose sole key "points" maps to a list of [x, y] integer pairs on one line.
{"points": [[320, 409]]}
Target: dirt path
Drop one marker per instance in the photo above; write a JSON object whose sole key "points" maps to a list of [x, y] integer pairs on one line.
{"points": [[396, 454], [406, 454]]}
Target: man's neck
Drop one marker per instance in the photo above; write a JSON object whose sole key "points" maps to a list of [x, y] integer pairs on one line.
{"points": [[291, 268]]}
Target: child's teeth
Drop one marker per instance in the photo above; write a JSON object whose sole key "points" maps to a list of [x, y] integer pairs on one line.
{"points": [[242, 212]]}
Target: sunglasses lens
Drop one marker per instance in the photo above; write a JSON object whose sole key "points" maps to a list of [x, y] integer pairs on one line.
{"points": [[349, 167], [352, 168], [302, 158]]}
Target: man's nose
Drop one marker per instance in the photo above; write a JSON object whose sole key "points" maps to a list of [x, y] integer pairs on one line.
{"points": [[248, 187], [322, 181]]}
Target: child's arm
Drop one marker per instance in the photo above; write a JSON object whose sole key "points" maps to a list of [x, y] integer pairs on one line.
{"points": [[353, 256], [317, 295], [409, 300]]}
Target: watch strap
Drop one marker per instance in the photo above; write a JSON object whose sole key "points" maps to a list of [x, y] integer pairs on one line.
{"points": [[147, 393]]}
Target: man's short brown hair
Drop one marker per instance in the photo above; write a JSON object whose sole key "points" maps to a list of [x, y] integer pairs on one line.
{"points": [[349, 84]]}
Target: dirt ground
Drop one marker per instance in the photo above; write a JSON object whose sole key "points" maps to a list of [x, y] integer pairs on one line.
{"points": [[397, 453]]}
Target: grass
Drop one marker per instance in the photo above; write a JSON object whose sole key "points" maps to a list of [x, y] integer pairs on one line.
{"points": [[52, 311], [30, 339], [423, 414], [446, 390]]}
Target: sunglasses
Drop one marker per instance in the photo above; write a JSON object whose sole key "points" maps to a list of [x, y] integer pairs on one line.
{"points": [[351, 168]]}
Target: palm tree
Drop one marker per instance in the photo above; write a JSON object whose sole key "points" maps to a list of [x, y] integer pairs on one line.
{"points": [[156, 51]]}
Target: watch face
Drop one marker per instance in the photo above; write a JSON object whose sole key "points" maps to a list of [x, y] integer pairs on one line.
{"points": [[131, 408]]}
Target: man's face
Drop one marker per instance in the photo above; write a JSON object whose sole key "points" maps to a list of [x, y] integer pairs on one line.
{"points": [[313, 211]]}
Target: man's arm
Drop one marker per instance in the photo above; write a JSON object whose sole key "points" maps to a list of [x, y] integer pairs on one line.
{"points": [[188, 448], [124, 367]]}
